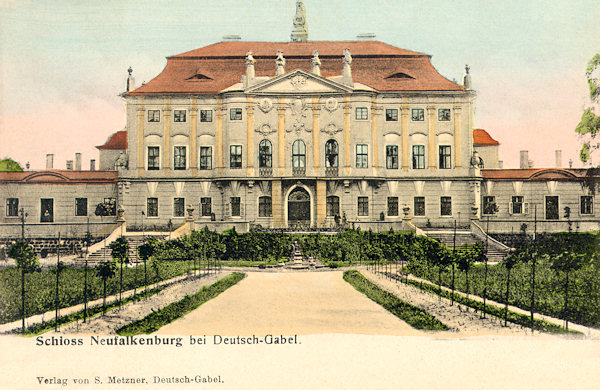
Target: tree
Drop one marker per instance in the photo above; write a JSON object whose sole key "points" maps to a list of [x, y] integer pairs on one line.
{"points": [[509, 262], [9, 165], [589, 126], [120, 253], [567, 262], [105, 270], [145, 251], [27, 261]]}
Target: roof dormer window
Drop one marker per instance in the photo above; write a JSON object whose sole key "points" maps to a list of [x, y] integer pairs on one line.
{"points": [[199, 76], [399, 76]]}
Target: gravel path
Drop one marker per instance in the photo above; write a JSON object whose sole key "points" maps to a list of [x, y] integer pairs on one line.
{"points": [[462, 320], [290, 303], [115, 319]]}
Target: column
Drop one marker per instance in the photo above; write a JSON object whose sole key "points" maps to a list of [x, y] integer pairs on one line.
{"points": [[167, 138], [219, 151], [140, 158], [347, 110], [250, 138], [316, 107], [321, 202], [277, 203], [431, 123], [193, 137], [281, 136], [457, 155], [404, 111]]}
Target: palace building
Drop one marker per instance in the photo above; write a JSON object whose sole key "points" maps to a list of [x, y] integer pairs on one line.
{"points": [[309, 134]]}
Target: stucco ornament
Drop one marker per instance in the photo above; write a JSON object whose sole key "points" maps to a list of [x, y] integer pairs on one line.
{"points": [[265, 129], [298, 81], [299, 112], [331, 104], [265, 105], [331, 129]]}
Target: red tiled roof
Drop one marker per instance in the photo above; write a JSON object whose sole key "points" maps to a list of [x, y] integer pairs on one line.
{"points": [[539, 174], [224, 64], [56, 176], [117, 140], [483, 138]]}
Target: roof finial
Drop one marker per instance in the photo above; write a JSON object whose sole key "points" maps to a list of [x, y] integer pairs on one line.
{"points": [[279, 63], [467, 78], [315, 63], [130, 85], [300, 31]]}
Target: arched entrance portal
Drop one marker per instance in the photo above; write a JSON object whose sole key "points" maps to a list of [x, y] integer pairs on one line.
{"points": [[299, 208]]}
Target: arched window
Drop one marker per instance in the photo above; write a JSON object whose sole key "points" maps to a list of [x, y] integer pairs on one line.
{"points": [[265, 154], [298, 154], [333, 206], [331, 154]]}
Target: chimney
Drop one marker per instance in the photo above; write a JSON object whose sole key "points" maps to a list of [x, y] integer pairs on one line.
{"points": [[524, 161], [232, 38], [92, 165], [530, 164], [366, 37], [558, 158], [500, 164], [49, 161], [69, 165], [78, 161]]}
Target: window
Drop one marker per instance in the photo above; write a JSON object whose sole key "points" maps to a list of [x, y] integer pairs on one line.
{"points": [[363, 206], [206, 115], [445, 160], [153, 158], [179, 157], [205, 207], [110, 205], [235, 114], [235, 156], [152, 207], [46, 210], [489, 205], [236, 210], [179, 207], [587, 205], [417, 114], [552, 207], [362, 156], [333, 206], [419, 206], [391, 115], [265, 154], [392, 206], [391, 156], [444, 114], [12, 207], [298, 154], [331, 154], [153, 115], [205, 157], [80, 207], [362, 113], [179, 116], [264, 206], [516, 206], [445, 205], [418, 156]]}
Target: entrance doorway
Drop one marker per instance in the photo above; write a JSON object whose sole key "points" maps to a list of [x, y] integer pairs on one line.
{"points": [[299, 208]]}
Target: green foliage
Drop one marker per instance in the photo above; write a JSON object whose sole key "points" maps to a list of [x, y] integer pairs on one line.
{"points": [[120, 250], [24, 256], [516, 318], [593, 83], [105, 270], [589, 124], [41, 298], [175, 310], [412, 315], [9, 165]]}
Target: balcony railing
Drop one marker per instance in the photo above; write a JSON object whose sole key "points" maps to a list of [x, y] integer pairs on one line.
{"points": [[299, 171], [331, 171], [265, 172]]}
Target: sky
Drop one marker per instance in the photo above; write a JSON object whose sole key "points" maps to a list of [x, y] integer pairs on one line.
{"points": [[63, 63]]}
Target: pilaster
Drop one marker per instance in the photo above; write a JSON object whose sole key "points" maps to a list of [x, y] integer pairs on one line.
{"points": [[347, 110], [277, 203], [193, 137], [457, 138], [250, 137], [167, 138], [321, 202], [281, 136], [316, 107], [404, 111], [431, 138], [220, 164], [140, 159]]}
